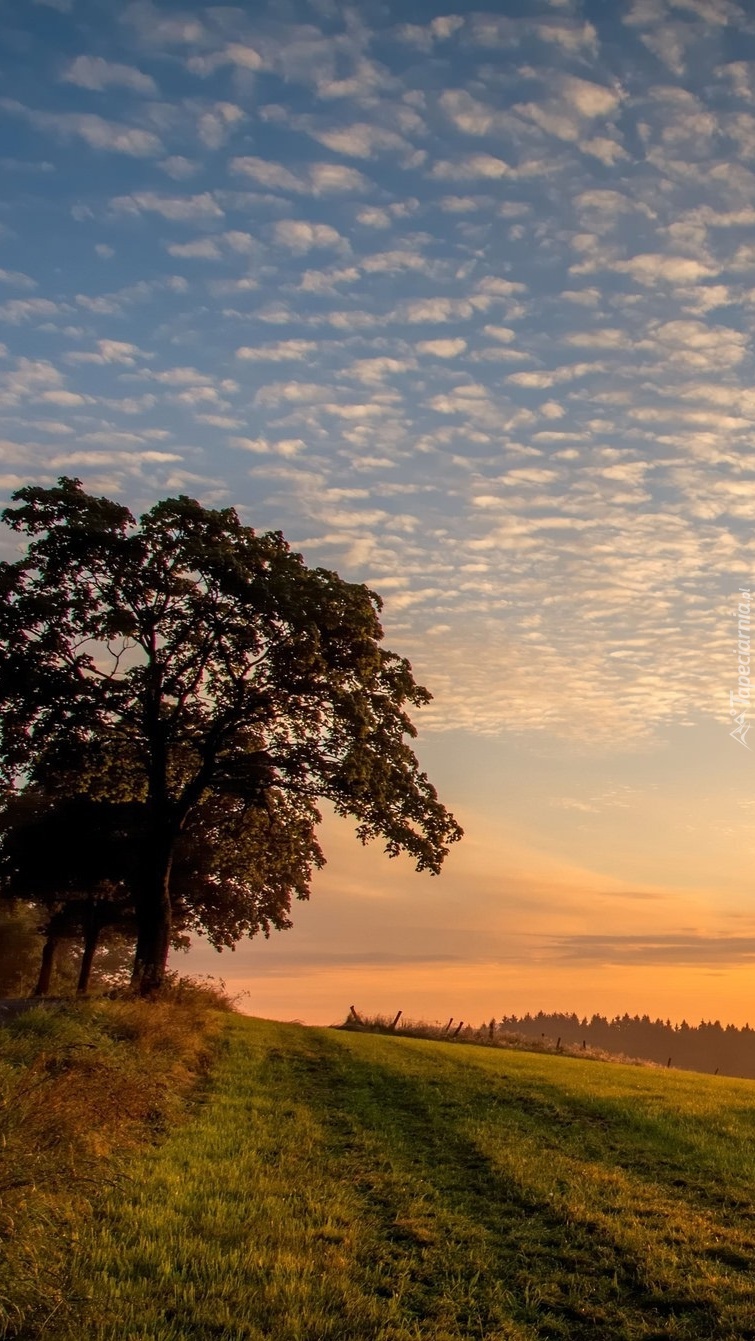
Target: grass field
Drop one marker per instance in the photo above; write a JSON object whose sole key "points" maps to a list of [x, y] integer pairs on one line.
{"points": [[347, 1187], [82, 1088]]}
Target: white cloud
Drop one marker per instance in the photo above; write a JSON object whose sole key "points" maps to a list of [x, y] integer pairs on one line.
{"points": [[327, 178], [315, 179], [361, 140], [607, 337], [179, 168], [282, 351], [394, 262], [93, 72], [718, 13], [244, 245], [366, 79], [277, 393], [285, 447], [373, 216], [696, 344], [237, 54], [94, 130], [156, 29], [182, 376], [669, 43], [179, 209], [111, 351], [375, 371], [545, 379], [216, 123], [500, 288], [470, 167], [589, 99], [490, 30], [582, 297], [442, 349], [18, 310], [606, 150], [300, 237], [573, 37], [503, 333], [426, 36], [573, 103], [17, 279], [327, 281], [468, 114], [27, 379], [431, 310], [205, 249], [651, 267], [65, 398]]}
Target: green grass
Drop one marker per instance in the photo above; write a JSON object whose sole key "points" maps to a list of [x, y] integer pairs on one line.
{"points": [[347, 1187], [81, 1088]]}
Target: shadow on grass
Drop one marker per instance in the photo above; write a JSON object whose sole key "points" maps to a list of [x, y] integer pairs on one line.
{"points": [[442, 1202]]}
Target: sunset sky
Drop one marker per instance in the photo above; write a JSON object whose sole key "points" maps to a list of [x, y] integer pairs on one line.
{"points": [[464, 306]]}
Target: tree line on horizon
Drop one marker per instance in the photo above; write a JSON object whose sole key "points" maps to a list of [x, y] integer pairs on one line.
{"points": [[178, 695], [708, 1046]]}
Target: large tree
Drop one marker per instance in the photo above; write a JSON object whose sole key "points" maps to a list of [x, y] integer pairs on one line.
{"points": [[227, 668]]}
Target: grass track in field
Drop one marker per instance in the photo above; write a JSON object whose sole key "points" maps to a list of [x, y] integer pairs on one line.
{"points": [[346, 1187]]}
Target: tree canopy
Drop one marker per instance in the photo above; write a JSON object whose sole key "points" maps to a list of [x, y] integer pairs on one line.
{"points": [[236, 685]]}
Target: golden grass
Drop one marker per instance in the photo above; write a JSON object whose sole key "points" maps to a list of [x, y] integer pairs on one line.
{"points": [[81, 1085]]}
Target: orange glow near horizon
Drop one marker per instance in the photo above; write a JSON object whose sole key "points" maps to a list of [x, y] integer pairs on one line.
{"points": [[517, 923], [481, 992]]}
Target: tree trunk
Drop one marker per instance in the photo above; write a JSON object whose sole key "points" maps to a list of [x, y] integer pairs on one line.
{"points": [[153, 922], [45, 968], [91, 938]]}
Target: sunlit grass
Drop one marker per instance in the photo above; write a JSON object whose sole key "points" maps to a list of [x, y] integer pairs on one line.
{"points": [[80, 1088], [347, 1187]]}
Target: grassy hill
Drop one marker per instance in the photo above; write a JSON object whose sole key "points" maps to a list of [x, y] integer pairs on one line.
{"points": [[354, 1187]]}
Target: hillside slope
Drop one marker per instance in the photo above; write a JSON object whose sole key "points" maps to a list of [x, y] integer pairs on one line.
{"points": [[346, 1187]]}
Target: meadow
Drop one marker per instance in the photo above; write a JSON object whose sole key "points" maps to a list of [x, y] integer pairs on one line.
{"points": [[322, 1185]]}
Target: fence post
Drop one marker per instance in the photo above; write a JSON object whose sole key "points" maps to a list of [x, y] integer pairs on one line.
{"points": [[395, 1022]]}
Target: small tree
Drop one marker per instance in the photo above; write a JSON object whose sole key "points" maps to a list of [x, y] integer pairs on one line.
{"points": [[71, 855], [234, 873], [223, 664]]}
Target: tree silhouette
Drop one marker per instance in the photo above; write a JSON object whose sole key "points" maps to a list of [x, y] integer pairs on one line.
{"points": [[223, 667]]}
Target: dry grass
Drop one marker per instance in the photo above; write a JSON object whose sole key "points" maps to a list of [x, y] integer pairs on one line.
{"points": [[81, 1084], [486, 1035]]}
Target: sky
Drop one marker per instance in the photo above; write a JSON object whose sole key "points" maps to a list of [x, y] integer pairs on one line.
{"points": [[464, 306]]}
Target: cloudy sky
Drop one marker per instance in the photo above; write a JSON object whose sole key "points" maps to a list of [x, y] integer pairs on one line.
{"points": [[465, 307]]}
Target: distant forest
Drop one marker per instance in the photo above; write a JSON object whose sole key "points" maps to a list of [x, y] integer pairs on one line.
{"points": [[708, 1046]]}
